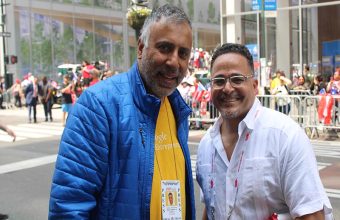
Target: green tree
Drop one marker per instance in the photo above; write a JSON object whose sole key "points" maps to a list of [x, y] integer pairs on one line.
{"points": [[190, 4], [155, 4], [211, 13], [64, 47], [171, 2], [179, 4], [25, 54]]}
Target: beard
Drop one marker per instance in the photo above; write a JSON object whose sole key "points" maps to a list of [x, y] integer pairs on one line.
{"points": [[229, 114], [151, 74]]}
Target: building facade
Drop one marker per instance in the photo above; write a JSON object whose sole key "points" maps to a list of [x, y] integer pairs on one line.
{"points": [[48, 33], [290, 35]]}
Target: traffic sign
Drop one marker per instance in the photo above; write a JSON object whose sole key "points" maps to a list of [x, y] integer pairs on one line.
{"points": [[5, 34]]}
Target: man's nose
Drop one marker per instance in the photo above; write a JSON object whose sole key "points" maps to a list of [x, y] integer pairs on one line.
{"points": [[173, 59], [227, 86]]}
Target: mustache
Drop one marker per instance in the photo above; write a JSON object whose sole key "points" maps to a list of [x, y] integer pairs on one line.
{"points": [[173, 71], [231, 96]]}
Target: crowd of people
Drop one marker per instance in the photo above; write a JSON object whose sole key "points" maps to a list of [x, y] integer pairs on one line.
{"points": [[32, 90]]}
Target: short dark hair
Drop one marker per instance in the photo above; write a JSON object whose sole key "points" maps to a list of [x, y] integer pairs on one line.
{"points": [[172, 14], [233, 48]]}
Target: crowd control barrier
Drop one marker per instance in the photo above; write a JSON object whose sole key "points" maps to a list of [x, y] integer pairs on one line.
{"points": [[312, 113]]}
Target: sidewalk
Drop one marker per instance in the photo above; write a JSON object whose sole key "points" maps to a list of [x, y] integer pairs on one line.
{"points": [[15, 116]]}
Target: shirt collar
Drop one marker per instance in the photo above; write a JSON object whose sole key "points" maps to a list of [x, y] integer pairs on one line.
{"points": [[252, 115]]}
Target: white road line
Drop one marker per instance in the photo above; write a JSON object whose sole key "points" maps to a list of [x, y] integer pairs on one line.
{"points": [[35, 162], [36, 130], [56, 127], [4, 137], [333, 193], [33, 131], [323, 165], [26, 164]]}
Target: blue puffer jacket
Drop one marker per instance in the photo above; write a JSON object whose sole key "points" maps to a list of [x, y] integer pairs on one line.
{"points": [[105, 164]]}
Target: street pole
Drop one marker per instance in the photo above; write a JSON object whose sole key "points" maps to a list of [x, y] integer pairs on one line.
{"points": [[2, 43]]}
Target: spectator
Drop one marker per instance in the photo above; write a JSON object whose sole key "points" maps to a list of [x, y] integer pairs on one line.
{"points": [[17, 93], [333, 86], [302, 84], [126, 137], [2, 91], [282, 103], [317, 85], [86, 73], [47, 98], [66, 100], [31, 96]]}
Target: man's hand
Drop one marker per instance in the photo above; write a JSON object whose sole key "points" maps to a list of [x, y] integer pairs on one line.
{"points": [[319, 215], [11, 133]]}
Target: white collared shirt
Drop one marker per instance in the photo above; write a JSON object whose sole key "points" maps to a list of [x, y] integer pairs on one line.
{"points": [[272, 169]]}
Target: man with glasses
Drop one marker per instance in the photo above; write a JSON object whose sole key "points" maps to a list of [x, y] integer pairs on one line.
{"points": [[254, 163]]}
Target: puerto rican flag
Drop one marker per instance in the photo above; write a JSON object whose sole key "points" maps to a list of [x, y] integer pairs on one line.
{"points": [[199, 92]]}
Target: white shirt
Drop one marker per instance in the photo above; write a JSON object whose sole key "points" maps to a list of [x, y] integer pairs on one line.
{"points": [[273, 164]]}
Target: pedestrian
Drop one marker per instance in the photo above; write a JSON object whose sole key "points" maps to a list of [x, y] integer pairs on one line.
{"points": [[66, 99], [86, 73], [17, 93], [31, 96], [282, 102], [2, 91], [254, 161], [3, 217], [47, 98], [125, 142], [9, 131]]}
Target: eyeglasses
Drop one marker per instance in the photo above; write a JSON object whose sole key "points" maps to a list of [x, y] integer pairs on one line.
{"points": [[235, 81]]}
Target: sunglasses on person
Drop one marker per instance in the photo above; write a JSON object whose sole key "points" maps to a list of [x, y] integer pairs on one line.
{"points": [[234, 80]]}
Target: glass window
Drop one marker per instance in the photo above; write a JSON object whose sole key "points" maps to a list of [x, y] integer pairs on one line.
{"points": [[85, 38], [23, 20], [109, 43], [83, 2], [110, 4]]}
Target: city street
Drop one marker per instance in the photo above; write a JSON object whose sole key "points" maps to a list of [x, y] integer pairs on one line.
{"points": [[26, 166]]}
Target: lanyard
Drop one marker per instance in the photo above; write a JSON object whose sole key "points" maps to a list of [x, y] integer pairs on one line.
{"points": [[235, 184]]}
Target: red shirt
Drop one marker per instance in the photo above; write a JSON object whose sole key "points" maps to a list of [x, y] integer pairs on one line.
{"points": [[86, 71]]}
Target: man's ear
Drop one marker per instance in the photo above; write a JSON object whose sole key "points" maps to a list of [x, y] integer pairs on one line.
{"points": [[255, 85], [140, 47]]}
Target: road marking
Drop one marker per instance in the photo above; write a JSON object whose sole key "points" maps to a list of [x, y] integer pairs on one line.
{"points": [[323, 165], [40, 161], [26, 164], [33, 131], [333, 193]]}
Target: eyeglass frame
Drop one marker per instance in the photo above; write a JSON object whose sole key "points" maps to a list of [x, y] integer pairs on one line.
{"points": [[227, 79]]}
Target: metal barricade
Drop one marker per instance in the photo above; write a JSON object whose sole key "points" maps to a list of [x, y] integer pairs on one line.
{"points": [[304, 109], [322, 114], [288, 104]]}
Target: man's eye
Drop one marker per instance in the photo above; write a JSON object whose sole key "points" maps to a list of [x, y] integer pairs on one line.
{"points": [[183, 53], [219, 82], [165, 48], [237, 79]]}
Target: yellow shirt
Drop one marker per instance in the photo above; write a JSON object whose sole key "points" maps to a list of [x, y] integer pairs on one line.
{"points": [[275, 83], [169, 163]]}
